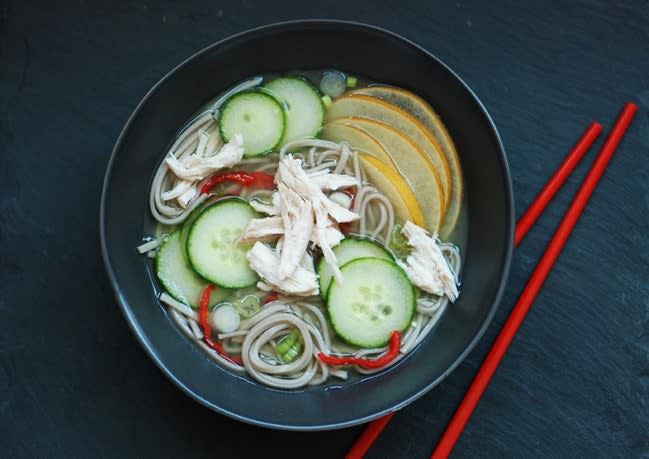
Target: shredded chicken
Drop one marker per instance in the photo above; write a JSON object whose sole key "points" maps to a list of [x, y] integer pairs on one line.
{"points": [[182, 186], [307, 262], [262, 228], [334, 181], [266, 262], [262, 207], [188, 196], [291, 173], [305, 214], [320, 238], [298, 224], [271, 227], [191, 169], [331, 235], [195, 167], [426, 266]]}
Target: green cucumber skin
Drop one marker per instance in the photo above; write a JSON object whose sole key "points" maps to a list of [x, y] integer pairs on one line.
{"points": [[270, 96], [323, 267], [314, 88], [172, 286], [223, 202], [406, 323], [167, 284], [187, 224]]}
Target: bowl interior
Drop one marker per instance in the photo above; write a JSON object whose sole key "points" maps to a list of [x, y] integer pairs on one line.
{"points": [[307, 45]]}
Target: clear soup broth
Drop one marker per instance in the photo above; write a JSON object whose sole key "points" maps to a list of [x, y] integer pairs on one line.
{"points": [[306, 229]]}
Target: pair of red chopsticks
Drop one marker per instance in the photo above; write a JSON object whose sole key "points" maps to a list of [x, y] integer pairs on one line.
{"points": [[488, 368]]}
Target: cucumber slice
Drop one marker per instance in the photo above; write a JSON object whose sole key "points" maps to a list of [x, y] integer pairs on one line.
{"points": [[193, 215], [349, 249], [375, 299], [258, 117], [212, 246], [305, 111], [178, 278]]}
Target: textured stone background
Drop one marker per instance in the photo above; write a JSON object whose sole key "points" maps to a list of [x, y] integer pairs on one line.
{"points": [[75, 383]]}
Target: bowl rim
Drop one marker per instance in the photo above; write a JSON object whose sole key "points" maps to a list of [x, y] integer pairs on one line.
{"points": [[136, 328]]}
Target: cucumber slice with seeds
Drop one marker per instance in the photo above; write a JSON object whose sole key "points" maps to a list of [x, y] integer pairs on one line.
{"points": [[258, 117], [305, 111], [177, 276], [375, 299], [212, 246], [349, 249]]}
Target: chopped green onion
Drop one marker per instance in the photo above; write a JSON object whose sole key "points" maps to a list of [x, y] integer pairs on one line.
{"points": [[289, 347], [326, 100], [399, 243], [351, 81], [248, 306]]}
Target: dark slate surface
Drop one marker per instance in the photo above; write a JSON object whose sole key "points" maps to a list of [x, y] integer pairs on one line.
{"points": [[74, 382]]}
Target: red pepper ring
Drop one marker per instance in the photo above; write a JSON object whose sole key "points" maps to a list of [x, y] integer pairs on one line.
{"points": [[393, 351], [272, 296], [207, 330], [258, 179], [263, 180]]}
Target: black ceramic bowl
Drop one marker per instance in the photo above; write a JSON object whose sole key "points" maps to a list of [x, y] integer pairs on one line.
{"points": [[357, 49]]}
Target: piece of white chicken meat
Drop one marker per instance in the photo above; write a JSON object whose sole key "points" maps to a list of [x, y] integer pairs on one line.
{"points": [[264, 208], [325, 212], [301, 213], [266, 262], [192, 169], [426, 265], [297, 219]]}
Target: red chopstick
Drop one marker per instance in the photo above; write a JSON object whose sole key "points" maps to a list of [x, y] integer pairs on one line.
{"points": [[557, 180], [374, 428], [479, 384]]}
